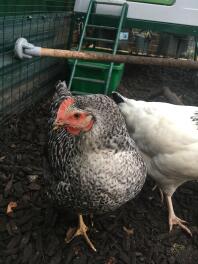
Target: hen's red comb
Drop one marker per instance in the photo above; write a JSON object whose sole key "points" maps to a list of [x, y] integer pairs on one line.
{"points": [[64, 107]]}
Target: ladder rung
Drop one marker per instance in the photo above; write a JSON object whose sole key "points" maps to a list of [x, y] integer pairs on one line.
{"points": [[99, 39], [91, 65], [102, 27], [109, 3], [78, 92], [89, 80]]}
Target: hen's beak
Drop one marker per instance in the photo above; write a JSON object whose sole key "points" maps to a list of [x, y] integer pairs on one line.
{"points": [[91, 116], [55, 127], [118, 98]]}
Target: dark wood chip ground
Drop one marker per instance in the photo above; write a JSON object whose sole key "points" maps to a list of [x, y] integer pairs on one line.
{"points": [[136, 233]]}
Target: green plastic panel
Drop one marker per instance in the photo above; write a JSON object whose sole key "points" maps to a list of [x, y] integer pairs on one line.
{"points": [[99, 73], [157, 2]]}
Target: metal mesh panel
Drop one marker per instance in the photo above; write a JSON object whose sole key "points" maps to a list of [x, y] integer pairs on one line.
{"points": [[44, 23]]}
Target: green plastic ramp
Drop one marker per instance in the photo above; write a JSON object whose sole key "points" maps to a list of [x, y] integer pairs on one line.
{"points": [[107, 79]]}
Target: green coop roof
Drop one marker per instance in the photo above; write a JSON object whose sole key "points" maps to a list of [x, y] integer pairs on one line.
{"points": [[157, 2]]}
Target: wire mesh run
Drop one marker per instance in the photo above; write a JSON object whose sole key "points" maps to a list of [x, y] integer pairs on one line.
{"points": [[44, 23]]}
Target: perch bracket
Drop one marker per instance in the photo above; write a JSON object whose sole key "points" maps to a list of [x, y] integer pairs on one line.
{"points": [[23, 49]]}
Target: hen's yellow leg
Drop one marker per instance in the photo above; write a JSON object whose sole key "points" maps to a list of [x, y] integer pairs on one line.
{"points": [[80, 231]]}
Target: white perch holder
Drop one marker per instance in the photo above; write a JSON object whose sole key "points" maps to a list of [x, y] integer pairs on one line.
{"points": [[24, 49]]}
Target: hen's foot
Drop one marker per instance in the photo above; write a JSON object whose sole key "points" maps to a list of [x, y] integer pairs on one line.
{"points": [[174, 220], [80, 231]]}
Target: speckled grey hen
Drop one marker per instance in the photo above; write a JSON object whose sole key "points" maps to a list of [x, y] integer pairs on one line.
{"points": [[95, 164]]}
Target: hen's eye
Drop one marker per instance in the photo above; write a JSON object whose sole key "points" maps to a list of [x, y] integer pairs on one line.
{"points": [[77, 115]]}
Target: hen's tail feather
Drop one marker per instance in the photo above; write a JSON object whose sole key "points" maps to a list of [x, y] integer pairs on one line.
{"points": [[61, 90]]}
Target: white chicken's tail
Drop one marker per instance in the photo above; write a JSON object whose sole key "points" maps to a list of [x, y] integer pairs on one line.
{"points": [[118, 98]]}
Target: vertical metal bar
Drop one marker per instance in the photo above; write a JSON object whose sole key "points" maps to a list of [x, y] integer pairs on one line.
{"points": [[41, 59], [21, 67], [122, 17], [81, 41], [12, 75], [69, 41], [33, 67], [1, 72], [30, 86], [35, 83], [196, 48], [21, 70], [3, 67], [62, 37], [61, 24]]}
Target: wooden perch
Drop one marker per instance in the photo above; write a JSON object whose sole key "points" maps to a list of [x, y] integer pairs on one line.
{"points": [[24, 49], [94, 56]]}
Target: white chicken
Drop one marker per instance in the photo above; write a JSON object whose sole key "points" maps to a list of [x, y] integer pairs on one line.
{"points": [[167, 136]]}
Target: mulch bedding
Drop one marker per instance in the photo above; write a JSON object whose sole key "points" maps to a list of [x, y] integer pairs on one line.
{"points": [[136, 233]]}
